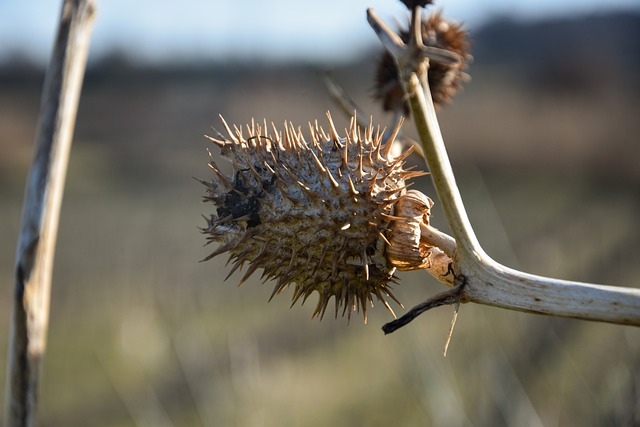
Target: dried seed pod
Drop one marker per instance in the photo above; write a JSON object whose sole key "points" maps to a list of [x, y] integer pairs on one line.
{"points": [[311, 213], [444, 79]]}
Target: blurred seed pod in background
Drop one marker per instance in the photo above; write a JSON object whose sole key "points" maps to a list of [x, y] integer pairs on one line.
{"points": [[444, 79], [413, 3]]}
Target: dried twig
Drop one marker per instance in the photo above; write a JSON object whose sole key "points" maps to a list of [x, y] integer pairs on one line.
{"points": [[41, 210], [342, 100]]}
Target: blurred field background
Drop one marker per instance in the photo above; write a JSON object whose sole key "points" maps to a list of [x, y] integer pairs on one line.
{"points": [[545, 144]]}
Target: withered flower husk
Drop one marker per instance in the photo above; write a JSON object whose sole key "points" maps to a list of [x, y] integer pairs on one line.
{"points": [[409, 253], [315, 214]]}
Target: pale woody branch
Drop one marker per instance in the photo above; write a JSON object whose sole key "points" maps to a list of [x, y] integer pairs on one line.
{"points": [[483, 280], [41, 211]]}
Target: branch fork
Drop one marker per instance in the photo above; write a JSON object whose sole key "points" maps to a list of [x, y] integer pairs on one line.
{"points": [[481, 279]]}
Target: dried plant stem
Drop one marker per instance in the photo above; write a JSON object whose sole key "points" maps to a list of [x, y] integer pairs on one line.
{"points": [[448, 297], [456, 309], [486, 281], [434, 237], [342, 100], [41, 210]]}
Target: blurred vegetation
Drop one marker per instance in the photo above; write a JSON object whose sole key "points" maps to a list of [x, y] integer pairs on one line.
{"points": [[544, 142]]}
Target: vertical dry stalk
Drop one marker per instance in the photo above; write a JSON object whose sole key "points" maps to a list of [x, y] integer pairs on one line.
{"points": [[41, 211]]}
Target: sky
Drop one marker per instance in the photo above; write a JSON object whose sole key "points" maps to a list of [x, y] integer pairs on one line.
{"points": [[200, 30]]}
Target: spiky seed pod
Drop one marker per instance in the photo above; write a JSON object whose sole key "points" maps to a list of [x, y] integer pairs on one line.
{"points": [[312, 213], [444, 79]]}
